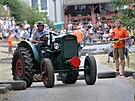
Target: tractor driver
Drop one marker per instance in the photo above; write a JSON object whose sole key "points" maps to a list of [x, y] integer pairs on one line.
{"points": [[36, 38]]}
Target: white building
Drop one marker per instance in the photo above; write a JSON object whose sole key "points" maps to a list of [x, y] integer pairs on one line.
{"points": [[54, 8]]}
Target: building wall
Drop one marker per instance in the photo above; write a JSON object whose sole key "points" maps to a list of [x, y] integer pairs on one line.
{"points": [[28, 2], [50, 9], [80, 2], [107, 7], [59, 10]]}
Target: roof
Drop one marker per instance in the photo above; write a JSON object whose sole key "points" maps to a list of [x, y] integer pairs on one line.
{"points": [[79, 2]]}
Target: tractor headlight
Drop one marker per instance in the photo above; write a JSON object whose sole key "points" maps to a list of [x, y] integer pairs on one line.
{"points": [[56, 46]]}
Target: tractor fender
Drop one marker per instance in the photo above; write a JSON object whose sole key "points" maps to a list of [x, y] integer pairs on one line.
{"points": [[31, 47]]}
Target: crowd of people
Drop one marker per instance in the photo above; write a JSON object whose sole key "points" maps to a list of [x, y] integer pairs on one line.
{"points": [[98, 32], [24, 30], [90, 33]]}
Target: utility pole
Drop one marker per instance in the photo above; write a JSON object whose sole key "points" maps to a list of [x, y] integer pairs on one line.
{"points": [[55, 10]]}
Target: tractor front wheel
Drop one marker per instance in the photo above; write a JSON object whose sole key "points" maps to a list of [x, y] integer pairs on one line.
{"points": [[47, 73], [90, 71]]}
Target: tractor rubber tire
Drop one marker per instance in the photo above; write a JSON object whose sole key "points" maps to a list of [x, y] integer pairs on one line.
{"points": [[107, 75], [22, 65], [47, 73], [16, 85], [133, 75], [70, 77], [3, 90], [90, 70], [7, 86], [128, 73]]}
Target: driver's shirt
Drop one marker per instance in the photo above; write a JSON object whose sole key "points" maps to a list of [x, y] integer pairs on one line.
{"points": [[37, 34]]}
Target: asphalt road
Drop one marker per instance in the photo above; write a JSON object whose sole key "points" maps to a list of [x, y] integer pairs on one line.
{"points": [[114, 89]]}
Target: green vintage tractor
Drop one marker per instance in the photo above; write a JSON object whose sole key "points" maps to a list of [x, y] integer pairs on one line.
{"points": [[60, 56]]}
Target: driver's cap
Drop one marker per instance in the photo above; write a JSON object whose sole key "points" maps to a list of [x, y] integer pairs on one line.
{"points": [[40, 23]]}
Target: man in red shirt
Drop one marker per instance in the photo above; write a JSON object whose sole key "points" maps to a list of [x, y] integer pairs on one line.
{"points": [[78, 33], [121, 35]]}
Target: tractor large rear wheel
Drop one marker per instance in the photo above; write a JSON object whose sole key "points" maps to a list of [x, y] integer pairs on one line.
{"points": [[90, 71], [22, 65]]}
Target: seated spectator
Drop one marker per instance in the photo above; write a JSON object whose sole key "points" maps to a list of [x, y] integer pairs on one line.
{"points": [[24, 33], [105, 37]]}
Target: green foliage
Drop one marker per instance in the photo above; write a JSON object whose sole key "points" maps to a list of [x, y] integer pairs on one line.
{"points": [[3, 12], [21, 11], [127, 14]]}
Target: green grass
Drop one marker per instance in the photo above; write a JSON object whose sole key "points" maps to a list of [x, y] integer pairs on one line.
{"points": [[103, 60], [132, 61], [3, 97], [3, 49], [5, 68], [5, 72]]}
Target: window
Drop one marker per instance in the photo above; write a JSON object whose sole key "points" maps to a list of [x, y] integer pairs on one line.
{"points": [[43, 4], [80, 8], [34, 3]]}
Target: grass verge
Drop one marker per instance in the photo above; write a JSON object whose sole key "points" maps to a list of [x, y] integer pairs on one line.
{"points": [[104, 57]]}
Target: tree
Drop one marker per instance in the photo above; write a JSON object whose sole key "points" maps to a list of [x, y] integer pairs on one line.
{"points": [[126, 10], [4, 11], [21, 11]]}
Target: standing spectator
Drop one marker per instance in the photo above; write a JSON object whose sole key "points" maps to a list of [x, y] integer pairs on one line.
{"points": [[70, 26], [98, 17], [128, 44], [10, 44], [132, 36], [91, 35], [17, 31], [11, 24], [78, 33], [89, 25], [105, 36], [0, 35], [110, 52], [86, 36], [33, 29], [119, 47], [106, 28], [62, 31], [100, 34], [81, 26], [46, 26], [25, 24]]}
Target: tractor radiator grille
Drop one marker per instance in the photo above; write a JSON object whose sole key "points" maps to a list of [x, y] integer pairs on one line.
{"points": [[70, 49]]}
